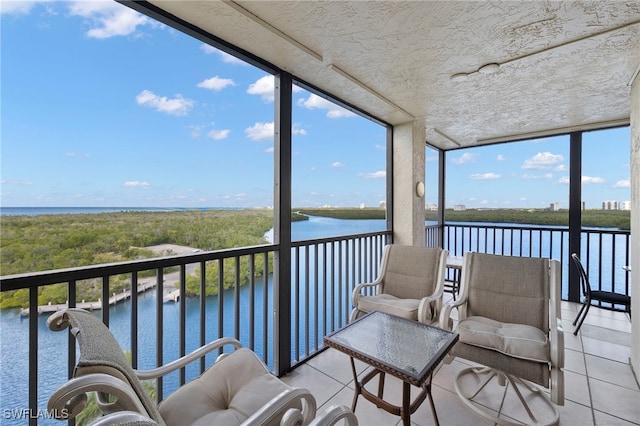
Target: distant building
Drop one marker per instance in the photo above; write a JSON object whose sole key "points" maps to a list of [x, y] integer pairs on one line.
{"points": [[362, 205], [459, 208], [625, 205], [554, 207], [431, 207], [610, 205], [383, 204]]}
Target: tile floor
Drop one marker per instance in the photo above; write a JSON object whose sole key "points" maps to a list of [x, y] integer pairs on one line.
{"points": [[600, 388]]}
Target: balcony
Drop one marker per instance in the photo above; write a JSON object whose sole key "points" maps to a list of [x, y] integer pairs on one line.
{"points": [[154, 328]]}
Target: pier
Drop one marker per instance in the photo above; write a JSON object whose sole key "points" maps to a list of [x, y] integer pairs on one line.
{"points": [[95, 305]]}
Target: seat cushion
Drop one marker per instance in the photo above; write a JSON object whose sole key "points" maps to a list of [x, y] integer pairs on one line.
{"points": [[227, 393], [516, 340], [405, 308]]}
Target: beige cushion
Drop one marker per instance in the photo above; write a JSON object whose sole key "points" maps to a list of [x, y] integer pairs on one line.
{"points": [[516, 340], [405, 308], [227, 393]]}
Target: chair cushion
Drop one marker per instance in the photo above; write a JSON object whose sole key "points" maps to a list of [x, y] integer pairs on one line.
{"points": [[516, 340], [229, 392], [405, 308]]}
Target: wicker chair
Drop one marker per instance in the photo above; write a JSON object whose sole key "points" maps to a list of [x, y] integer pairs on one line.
{"points": [[237, 389], [509, 322], [410, 284]]}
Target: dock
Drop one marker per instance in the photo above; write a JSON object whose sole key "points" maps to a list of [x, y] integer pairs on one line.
{"points": [[95, 305]]}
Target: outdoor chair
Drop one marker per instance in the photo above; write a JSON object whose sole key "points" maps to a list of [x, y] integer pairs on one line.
{"points": [[590, 295], [237, 389], [508, 321], [410, 284]]}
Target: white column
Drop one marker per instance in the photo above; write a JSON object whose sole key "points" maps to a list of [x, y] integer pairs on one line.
{"points": [[408, 173], [635, 227]]}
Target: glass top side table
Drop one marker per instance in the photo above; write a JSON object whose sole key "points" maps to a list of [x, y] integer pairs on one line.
{"points": [[405, 349]]}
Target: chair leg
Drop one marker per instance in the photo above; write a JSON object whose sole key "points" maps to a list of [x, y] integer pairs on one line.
{"points": [[585, 308]]}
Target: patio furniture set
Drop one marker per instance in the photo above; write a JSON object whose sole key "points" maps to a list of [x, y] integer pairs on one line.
{"points": [[505, 320]]}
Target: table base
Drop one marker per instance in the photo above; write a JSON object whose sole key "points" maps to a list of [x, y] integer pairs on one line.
{"points": [[407, 407]]}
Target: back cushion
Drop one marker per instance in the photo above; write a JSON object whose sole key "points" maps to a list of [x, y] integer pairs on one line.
{"points": [[411, 272], [509, 289]]}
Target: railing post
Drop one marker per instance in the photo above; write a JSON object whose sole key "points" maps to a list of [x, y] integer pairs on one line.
{"points": [[575, 211], [282, 225]]}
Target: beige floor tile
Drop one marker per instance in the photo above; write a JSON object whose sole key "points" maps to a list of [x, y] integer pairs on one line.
{"points": [[574, 361], [338, 363], [609, 398], [319, 384], [604, 419], [613, 372], [609, 350], [572, 414], [576, 388]]}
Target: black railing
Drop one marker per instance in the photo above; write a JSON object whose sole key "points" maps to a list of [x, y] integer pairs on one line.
{"points": [[603, 252], [156, 324]]}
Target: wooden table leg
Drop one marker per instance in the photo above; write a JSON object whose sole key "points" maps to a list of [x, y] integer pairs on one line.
{"points": [[405, 415], [356, 384]]}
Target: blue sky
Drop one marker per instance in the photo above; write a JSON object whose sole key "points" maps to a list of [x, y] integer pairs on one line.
{"points": [[103, 107]]}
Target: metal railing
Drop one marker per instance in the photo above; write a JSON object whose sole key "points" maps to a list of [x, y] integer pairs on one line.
{"points": [[157, 324], [603, 252]]}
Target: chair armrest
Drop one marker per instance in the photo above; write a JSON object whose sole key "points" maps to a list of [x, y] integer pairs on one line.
{"points": [[187, 359], [283, 406], [332, 415], [445, 320], [357, 291], [70, 398], [427, 312]]}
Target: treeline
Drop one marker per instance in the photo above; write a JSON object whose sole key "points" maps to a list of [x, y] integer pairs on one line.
{"points": [[46, 242], [590, 218]]}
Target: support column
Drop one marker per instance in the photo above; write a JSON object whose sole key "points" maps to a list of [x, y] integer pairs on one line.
{"points": [[408, 175], [635, 227]]}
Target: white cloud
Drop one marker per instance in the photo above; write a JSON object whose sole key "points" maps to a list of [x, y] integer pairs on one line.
{"points": [[500, 157], [297, 130], [260, 131], [591, 179], [375, 175], [136, 184], [264, 87], [485, 176], [219, 134], [585, 179], [216, 83], [528, 176], [561, 168], [542, 160], [175, 106], [109, 19], [18, 7], [465, 158], [316, 102], [622, 184], [226, 58], [337, 164]]}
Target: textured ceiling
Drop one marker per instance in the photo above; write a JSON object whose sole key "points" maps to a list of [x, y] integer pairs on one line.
{"points": [[563, 65]]}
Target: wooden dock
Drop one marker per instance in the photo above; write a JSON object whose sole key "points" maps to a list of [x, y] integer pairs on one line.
{"points": [[91, 306]]}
